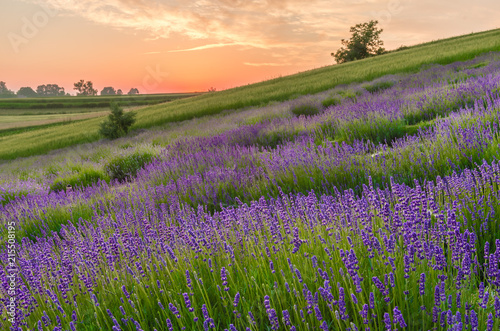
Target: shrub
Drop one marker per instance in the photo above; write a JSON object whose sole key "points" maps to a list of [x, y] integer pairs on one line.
{"points": [[379, 86], [349, 94], [118, 123], [304, 109], [377, 129], [330, 101], [123, 167], [84, 178]]}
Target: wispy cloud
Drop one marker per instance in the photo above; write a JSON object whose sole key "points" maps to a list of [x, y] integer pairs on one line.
{"points": [[203, 47], [312, 27], [259, 23]]}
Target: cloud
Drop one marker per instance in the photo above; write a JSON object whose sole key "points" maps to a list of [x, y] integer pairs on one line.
{"points": [[203, 47], [303, 28], [258, 23]]}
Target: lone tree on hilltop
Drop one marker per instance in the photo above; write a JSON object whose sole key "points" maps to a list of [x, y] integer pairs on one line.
{"points": [[365, 42], [118, 123], [85, 88]]}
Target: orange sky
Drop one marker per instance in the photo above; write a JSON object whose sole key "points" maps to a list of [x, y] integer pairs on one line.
{"points": [[192, 45]]}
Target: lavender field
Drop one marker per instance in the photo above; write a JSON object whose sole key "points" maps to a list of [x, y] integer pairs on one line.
{"points": [[369, 206]]}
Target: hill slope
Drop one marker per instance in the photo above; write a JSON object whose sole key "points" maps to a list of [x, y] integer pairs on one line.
{"points": [[442, 52]]}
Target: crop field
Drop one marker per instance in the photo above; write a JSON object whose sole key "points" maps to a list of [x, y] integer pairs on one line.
{"points": [[19, 121], [12, 119], [49, 104], [29, 112], [365, 198]]}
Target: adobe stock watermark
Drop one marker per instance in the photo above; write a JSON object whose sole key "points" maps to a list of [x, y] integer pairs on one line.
{"points": [[12, 273], [30, 27], [153, 78], [394, 7], [151, 81]]}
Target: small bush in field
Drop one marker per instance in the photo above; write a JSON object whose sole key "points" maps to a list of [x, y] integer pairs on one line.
{"points": [[304, 109], [330, 101], [124, 167], [118, 123], [375, 87], [84, 178]]}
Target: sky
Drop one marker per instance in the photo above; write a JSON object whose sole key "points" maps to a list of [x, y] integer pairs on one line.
{"points": [[192, 45]]}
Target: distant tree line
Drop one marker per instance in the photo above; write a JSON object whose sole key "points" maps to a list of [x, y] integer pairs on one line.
{"points": [[53, 90]]}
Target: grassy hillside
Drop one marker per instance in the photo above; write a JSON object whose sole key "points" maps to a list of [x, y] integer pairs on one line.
{"points": [[442, 52]]}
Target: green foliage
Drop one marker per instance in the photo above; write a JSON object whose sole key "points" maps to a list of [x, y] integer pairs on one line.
{"points": [[379, 86], [349, 94], [27, 92], [437, 106], [90, 102], [85, 88], [109, 90], [304, 109], [118, 123], [83, 178], [124, 167], [478, 65], [330, 101], [8, 196], [365, 42], [50, 90], [375, 128], [5, 92]]}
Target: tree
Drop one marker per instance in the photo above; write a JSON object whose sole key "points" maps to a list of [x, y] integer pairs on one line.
{"points": [[365, 42], [85, 88], [5, 92], [50, 90], [133, 91], [119, 92], [108, 91], [118, 123], [27, 92]]}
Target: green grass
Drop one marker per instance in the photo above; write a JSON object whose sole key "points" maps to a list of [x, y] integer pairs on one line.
{"points": [[83, 178], [53, 111], [19, 121], [89, 102], [124, 167], [305, 109], [313, 81]]}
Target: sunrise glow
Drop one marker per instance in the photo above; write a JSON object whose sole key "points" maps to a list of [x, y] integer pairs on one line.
{"points": [[180, 46]]}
